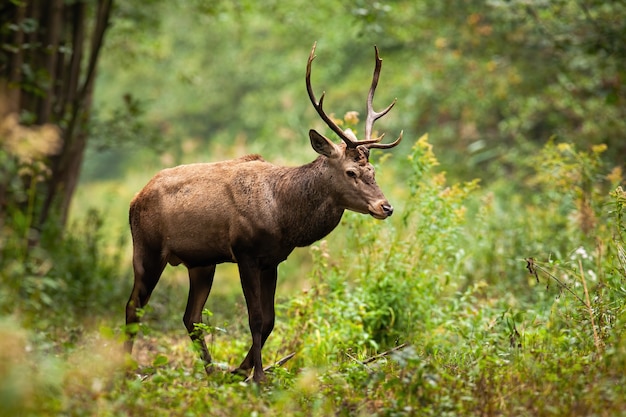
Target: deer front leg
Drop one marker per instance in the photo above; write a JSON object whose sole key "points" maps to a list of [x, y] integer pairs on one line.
{"points": [[268, 291], [250, 275], [200, 282]]}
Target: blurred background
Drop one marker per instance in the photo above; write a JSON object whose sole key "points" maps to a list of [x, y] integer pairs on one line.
{"points": [[490, 82]]}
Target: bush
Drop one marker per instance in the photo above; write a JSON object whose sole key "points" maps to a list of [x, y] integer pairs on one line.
{"points": [[59, 279], [392, 276]]}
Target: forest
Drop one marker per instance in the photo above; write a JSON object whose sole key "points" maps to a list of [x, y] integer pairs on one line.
{"points": [[498, 286]]}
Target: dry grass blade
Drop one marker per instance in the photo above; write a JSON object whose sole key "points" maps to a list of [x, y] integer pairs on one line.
{"points": [[596, 338], [386, 353], [533, 267]]}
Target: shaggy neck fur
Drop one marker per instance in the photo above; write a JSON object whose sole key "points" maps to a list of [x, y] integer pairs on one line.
{"points": [[313, 207]]}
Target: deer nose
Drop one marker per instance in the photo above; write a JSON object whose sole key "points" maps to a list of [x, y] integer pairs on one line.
{"points": [[387, 209]]}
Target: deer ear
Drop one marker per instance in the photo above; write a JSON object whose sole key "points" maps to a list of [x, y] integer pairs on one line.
{"points": [[322, 145]]}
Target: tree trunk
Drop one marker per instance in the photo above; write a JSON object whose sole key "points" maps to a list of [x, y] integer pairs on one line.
{"points": [[49, 83]]}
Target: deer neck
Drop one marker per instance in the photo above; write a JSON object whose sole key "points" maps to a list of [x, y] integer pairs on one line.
{"points": [[311, 208]]}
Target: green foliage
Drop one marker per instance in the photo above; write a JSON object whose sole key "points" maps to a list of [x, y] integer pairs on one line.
{"points": [[113, 136], [71, 276], [414, 316], [488, 80], [431, 312]]}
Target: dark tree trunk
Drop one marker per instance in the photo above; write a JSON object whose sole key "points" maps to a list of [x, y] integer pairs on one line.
{"points": [[50, 69]]}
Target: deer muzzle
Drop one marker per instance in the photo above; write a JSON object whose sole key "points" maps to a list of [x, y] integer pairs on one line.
{"points": [[381, 210]]}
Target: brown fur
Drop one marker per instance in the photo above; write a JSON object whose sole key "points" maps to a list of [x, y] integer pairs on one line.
{"points": [[250, 212], [247, 211]]}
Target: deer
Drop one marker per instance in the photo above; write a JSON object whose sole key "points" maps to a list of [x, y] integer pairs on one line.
{"points": [[253, 213]]}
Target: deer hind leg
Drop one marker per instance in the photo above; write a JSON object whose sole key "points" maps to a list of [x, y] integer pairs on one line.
{"points": [[148, 268], [200, 282], [267, 291]]}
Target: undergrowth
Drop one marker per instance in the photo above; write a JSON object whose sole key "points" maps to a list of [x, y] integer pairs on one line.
{"points": [[471, 302]]}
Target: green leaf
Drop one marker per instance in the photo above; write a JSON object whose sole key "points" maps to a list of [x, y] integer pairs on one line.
{"points": [[160, 360]]}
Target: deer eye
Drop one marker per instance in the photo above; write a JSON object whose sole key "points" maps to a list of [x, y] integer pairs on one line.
{"points": [[351, 173]]}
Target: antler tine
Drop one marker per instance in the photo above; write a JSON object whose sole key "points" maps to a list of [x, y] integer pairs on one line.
{"points": [[386, 145], [319, 105], [372, 115]]}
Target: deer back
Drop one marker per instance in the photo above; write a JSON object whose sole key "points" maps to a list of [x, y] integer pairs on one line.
{"points": [[204, 213]]}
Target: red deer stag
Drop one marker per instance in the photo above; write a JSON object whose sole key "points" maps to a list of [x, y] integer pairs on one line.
{"points": [[253, 213]]}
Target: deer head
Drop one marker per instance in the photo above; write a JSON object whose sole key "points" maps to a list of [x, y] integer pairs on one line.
{"points": [[355, 182]]}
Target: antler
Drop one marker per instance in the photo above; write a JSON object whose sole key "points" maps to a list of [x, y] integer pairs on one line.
{"points": [[348, 138], [372, 115], [318, 105]]}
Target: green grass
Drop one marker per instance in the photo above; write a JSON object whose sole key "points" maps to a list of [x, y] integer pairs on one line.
{"points": [[446, 278]]}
